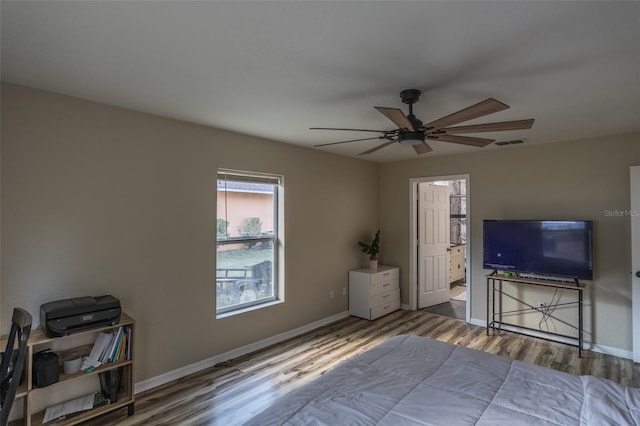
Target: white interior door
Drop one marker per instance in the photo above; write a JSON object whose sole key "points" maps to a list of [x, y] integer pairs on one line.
{"points": [[433, 244], [635, 259]]}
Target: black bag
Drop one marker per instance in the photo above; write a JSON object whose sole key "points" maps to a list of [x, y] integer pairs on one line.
{"points": [[45, 368]]}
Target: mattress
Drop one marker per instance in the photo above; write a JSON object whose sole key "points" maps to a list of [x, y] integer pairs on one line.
{"points": [[411, 380]]}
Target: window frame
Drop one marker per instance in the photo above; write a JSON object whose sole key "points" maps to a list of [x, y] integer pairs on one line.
{"points": [[275, 238]]}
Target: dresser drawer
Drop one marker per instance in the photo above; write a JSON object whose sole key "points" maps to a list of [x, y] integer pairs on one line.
{"points": [[384, 276], [455, 276], [385, 308], [383, 287], [457, 263], [457, 250], [381, 298]]}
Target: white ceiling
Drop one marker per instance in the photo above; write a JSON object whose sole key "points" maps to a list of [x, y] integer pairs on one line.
{"points": [[274, 69]]}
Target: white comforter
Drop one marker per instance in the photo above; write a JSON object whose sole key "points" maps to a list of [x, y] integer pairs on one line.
{"points": [[411, 380]]}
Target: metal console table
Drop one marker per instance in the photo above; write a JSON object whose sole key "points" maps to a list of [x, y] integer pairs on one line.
{"points": [[495, 319]]}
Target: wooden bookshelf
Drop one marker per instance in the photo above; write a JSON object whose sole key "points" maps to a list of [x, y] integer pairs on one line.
{"points": [[38, 340]]}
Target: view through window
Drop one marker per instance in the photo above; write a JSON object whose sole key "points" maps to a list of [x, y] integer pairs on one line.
{"points": [[247, 240]]}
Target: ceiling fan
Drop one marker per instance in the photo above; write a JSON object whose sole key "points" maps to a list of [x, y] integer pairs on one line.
{"points": [[411, 131]]}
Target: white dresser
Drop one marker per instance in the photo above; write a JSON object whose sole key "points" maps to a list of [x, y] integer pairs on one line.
{"points": [[374, 292], [457, 269]]}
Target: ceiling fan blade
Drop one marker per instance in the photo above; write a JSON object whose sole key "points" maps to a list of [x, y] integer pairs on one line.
{"points": [[491, 127], [397, 116], [351, 130], [422, 148], [488, 106], [374, 149], [352, 140], [464, 140]]}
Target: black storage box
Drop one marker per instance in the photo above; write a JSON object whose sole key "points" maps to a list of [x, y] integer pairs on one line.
{"points": [[45, 368], [63, 317]]}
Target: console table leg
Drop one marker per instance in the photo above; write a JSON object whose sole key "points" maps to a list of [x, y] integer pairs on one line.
{"points": [[580, 336], [130, 410], [488, 322]]}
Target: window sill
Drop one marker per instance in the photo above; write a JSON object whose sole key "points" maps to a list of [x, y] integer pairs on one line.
{"points": [[248, 309]]}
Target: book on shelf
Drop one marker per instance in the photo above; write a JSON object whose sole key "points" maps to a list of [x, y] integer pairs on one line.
{"points": [[128, 350], [95, 356], [109, 347], [122, 348], [112, 346]]}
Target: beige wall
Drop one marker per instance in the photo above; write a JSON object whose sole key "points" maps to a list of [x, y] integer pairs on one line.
{"points": [[97, 200], [568, 180]]}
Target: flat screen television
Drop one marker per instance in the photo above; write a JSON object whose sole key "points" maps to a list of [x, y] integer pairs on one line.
{"points": [[545, 247]]}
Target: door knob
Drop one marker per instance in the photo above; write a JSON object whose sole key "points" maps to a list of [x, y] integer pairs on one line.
{"points": [[638, 274]]}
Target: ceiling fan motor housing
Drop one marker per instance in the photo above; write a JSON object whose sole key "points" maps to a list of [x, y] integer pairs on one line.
{"points": [[410, 138]]}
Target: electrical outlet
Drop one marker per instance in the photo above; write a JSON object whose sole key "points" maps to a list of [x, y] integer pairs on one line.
{"points": [[332, 293], [344, 291]]}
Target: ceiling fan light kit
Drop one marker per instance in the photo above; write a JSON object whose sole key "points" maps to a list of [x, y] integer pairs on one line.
{"points": [[411, 138], [411, 131]]}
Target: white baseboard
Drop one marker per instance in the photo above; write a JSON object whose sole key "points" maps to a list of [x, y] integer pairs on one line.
{"points": [[234, 353], [478, 322], [607, 350]]}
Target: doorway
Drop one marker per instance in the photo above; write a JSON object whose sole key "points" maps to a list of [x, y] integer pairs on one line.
{"points": [[635, 260], [440, 241]]}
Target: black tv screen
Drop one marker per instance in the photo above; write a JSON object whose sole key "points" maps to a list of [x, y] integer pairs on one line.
{"points": [[545, 247]]}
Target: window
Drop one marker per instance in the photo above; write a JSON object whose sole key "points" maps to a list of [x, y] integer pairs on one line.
{"points": [[458, 211], [247, 239]]}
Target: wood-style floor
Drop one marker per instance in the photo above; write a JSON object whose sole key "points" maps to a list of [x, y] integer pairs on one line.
{"points": [[232, 393]]}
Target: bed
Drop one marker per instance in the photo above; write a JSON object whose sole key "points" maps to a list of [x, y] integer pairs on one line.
{"points": [[411, 380]]}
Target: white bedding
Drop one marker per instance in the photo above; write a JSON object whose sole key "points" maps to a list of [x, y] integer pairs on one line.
{"points": [[410, 380]]}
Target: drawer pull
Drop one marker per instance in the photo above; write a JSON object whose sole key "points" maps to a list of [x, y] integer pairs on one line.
{"points": [[386, 307], [385, 296], [386, 285], [386, 273]]}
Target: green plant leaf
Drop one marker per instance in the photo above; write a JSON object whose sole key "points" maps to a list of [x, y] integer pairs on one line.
{"points": [[371, 249]]}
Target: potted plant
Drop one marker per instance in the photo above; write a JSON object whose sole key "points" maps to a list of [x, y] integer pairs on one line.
{"points": [[372, 250]]}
